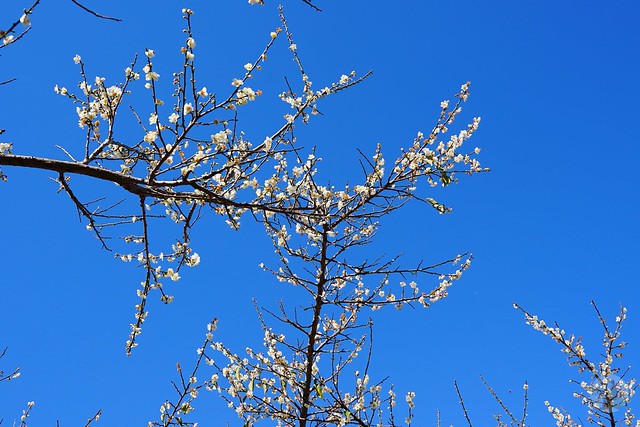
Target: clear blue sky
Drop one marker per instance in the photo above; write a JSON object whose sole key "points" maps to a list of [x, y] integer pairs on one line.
{"points": [[553, 226]]}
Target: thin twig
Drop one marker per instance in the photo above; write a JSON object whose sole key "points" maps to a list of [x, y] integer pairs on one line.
{"points": [[525, 404], [501, 403], [96, 417], [313, 6], [96, 14], [461, 401]]}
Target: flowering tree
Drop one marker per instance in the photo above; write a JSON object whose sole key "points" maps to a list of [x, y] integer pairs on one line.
{"points": [[191, 159]]}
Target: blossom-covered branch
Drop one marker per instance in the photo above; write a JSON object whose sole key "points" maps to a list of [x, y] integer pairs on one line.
{"points": [[11, 34], [11, 375], [607, 390]]}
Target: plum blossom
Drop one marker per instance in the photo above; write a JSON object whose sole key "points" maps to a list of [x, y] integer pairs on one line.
{"points": [[203, 92], [5, 148], [149, 74]]}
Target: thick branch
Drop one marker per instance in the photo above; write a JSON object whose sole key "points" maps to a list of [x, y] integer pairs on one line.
{"points": [[129, 183], [313, 333], [139, 186]]}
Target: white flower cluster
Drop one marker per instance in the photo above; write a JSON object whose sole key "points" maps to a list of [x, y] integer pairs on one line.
{"points": [[562, 418], [262, 385], [102, 102], [5, 148]]}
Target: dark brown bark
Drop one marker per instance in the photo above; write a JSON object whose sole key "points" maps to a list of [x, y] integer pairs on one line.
{"points": [[129, 183]]}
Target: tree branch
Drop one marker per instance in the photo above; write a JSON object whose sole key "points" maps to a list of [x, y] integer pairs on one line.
{"points": [[86, 9], [131, 184]]}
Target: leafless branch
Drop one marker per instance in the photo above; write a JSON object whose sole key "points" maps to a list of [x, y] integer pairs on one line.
{"points": [[461, 402], [98, 15], [519, 423], [312, 5]]}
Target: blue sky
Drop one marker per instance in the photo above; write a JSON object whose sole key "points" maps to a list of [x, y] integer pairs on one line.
{"points": [[552, 227]]}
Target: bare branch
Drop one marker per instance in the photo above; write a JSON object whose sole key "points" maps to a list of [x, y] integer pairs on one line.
{"points": [[312, 5], [461, 402], [86, 9]]}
